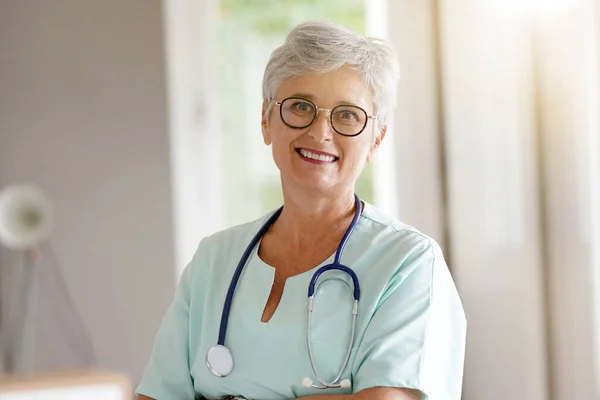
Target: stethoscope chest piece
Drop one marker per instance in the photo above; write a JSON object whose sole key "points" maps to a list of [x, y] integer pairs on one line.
{"points": [[219, 361]]}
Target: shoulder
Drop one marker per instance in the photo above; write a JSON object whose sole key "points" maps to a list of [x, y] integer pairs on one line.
{"points": [[390, 234], [407, 259], [412, 265], [394, 227], [218, 254], [229, 242]]}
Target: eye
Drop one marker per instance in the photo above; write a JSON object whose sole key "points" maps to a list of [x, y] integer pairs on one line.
{"points": [[302, 106], [347, 115]]}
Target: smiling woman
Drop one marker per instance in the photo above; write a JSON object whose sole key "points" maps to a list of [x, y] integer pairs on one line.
{"points": [[246, 320]]}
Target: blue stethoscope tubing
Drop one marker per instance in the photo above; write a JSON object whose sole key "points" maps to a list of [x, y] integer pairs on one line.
{"points": [[219, 359]]}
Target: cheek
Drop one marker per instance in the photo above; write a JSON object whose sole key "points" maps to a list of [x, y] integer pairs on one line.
{"points": [[358, 152], [282, 138]]}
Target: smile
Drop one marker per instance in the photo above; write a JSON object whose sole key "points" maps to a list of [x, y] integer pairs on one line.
{"points": [[314, 157]]}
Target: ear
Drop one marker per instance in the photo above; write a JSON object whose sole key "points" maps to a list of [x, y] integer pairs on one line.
{"points": [[376, 142], [265, 123]]}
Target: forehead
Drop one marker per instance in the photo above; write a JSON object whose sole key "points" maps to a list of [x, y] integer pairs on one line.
{"points": [[340, 86]]}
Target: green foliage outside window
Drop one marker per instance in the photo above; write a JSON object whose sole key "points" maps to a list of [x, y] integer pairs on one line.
{"points": [[278, 17]]}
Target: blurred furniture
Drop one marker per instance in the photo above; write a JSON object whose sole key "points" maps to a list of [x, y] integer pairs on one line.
{"points": [[73, 385], [35, 303]]}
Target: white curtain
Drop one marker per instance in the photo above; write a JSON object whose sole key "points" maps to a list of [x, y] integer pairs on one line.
{"points": [[568, 68], [498, 157]]}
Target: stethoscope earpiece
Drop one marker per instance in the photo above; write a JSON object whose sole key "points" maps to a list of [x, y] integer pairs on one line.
{"points": [[308, 383]]}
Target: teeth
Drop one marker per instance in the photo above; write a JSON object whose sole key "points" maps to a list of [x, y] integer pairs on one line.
{"points": [[319, 157]]}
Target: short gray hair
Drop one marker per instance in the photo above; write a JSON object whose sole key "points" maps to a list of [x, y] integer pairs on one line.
{"points": [[322, 46]]}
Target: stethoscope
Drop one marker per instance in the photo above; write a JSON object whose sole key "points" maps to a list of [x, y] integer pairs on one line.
{"points": [[219, 359]]}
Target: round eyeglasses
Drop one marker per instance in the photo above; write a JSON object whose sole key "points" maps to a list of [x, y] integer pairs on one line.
{"points": [[300, 113]]}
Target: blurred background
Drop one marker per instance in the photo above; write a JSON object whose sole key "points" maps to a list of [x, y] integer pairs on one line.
{"points": [[140, 121]]}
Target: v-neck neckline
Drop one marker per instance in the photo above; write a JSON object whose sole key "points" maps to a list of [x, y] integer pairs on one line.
{"points": [[296, 285]]}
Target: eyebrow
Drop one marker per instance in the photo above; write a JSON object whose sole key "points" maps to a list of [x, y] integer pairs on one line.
{"points": [[339, 103]]}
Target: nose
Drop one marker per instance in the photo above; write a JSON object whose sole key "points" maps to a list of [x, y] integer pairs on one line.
{"points": [[321, 129]]}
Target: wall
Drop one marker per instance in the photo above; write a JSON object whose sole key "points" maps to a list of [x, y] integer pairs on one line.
{"points": [[83, 114]]}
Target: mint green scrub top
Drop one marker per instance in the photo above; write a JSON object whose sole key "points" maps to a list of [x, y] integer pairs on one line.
{"points": [[410, 328]]}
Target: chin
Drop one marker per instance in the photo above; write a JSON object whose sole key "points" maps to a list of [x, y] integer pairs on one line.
{"points": [[318, 186]]}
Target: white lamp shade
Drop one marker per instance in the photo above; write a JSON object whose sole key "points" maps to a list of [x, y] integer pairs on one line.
{"points": [[25, 217]]}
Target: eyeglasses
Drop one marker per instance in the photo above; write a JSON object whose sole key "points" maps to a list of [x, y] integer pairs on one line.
{"points": [[299, 113]]}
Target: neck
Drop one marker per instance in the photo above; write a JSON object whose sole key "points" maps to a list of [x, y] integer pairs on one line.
{"points": [[308, 217]]}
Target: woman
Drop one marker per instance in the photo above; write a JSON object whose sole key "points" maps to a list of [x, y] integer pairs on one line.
{"points": [[328, 95]]}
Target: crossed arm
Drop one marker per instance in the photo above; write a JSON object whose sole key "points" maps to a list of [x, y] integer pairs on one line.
{"points": [[378, 393]]}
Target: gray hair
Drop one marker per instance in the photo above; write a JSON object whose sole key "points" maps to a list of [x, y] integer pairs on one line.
{"points": [[322, 46]]}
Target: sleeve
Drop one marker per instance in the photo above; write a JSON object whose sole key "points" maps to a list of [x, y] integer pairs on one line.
{"points": [[416, 337], [167, 375]]}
